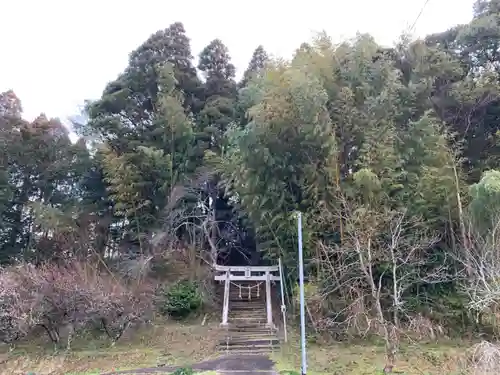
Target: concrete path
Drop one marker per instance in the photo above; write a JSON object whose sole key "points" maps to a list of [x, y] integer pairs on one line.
{"points": [[227, 365]]}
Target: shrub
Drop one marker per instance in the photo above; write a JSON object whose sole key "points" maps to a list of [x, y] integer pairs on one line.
{"points": [[14, 321], [72, 295], [119, 306], [184, 371], [56, 296], [180, 299]]}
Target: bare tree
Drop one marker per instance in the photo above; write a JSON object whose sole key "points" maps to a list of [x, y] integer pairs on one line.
{"points": [[480, 257], [201, 230], [14, 319], [383, 255], [409, 246], [71, 295]]}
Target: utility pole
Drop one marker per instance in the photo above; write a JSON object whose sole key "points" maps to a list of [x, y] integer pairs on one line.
{"points": [[302, 302]]}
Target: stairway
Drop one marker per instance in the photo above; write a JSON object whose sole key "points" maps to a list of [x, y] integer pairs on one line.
{"points": [[247, 332]]}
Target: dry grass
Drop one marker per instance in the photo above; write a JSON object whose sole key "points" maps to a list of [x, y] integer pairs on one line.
{"points": [[445, 358], [185, 344], [484, 359], [156, 373], [162, 344]]}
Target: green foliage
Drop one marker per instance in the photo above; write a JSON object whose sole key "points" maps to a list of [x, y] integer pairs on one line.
{"points": [[350, 134], [40, 165], [255, 66], [485, 201], [180, 299], [220, 89], [474, 93], [270, 165], [184, 371]]}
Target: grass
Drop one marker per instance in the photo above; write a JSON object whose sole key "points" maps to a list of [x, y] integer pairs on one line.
{"points": [[369, 358], [161, 344], [156, 373], [185, 344]]}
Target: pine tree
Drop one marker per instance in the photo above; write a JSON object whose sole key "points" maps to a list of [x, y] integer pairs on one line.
{"points": [[257, 64], [220, 94], [170, 45]]}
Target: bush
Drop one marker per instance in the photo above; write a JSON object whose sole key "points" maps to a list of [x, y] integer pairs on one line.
{"points": [[72, 295], [180, 299], [120, 306], [184, 371], [14, 322]]}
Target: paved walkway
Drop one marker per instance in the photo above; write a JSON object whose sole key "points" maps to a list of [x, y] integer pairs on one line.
{"points": [[227, 365]]}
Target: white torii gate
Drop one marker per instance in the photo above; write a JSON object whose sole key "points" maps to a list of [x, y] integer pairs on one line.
{"points": [[254, 273]]}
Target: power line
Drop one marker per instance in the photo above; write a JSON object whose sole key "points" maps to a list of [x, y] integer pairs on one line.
{"points": [[419, 14]]}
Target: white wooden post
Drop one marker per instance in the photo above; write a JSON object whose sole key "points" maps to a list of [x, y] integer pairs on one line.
{"points": [[225, 309], [283, 306], [268, 300]]}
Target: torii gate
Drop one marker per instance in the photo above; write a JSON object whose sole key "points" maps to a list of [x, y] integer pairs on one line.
{"points": [[253, 273]]}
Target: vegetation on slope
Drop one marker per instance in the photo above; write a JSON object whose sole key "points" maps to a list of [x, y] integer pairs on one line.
{"points": [[391, 154]]}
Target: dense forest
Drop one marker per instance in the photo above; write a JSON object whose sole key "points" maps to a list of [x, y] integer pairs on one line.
{"points": [[391, 154]]}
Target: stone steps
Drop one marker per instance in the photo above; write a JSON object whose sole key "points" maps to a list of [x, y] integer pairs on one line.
{"points": [[246, 332], [249, 329], [243, 313], [266, 336], [244, 351], [250, 319], [246, 319], [247, 372], [251, 341], [250, 305], [254, 301], [250, 337], [249, 344], [260, 312], [260, 308]]}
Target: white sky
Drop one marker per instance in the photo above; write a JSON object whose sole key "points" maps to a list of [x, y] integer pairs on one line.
{"points": [[56, 54]]}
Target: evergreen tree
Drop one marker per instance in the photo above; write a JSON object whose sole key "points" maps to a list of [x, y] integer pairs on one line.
{"points": [[220, 94], [257, 64], [468, 102], [41, 166]]}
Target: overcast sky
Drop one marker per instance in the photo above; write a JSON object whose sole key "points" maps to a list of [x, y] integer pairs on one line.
{"points": [[56, 54]]}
